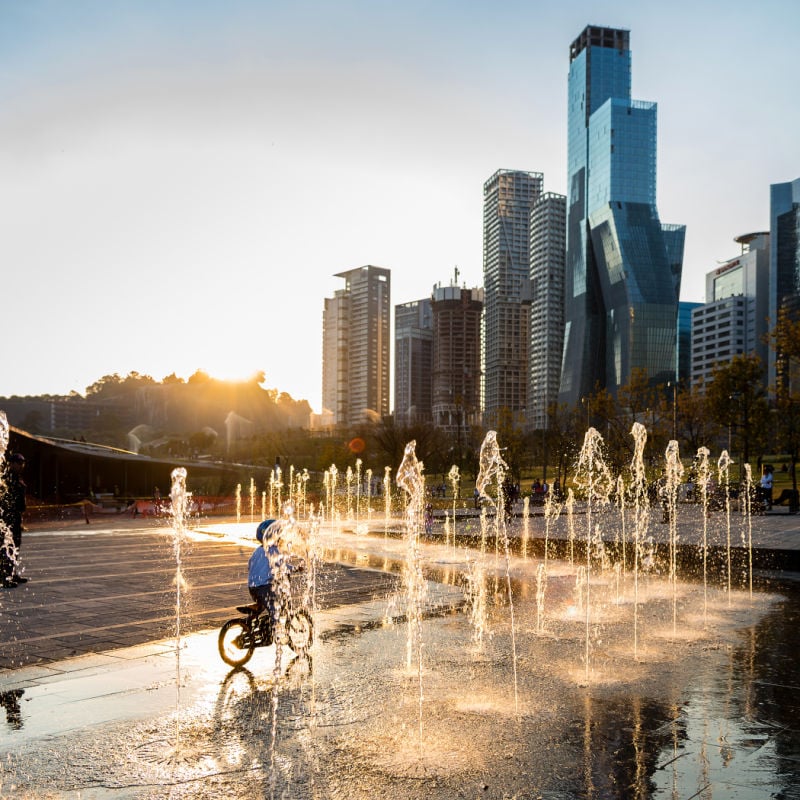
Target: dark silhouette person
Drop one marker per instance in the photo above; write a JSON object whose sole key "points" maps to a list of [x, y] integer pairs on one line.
{"points": [[10, 702], [12, 506]]}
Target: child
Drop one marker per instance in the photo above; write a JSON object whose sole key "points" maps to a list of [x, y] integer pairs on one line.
{"points": [[262, 566], [268, 569]]}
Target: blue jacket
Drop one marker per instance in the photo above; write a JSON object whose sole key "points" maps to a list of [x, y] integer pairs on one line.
{"points": [[263, 564]]}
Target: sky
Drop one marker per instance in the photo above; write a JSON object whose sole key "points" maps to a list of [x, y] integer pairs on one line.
{"points": [[182, 180]]}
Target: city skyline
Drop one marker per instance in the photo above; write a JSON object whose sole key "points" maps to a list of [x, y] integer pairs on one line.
{"points": [[183, 184]]}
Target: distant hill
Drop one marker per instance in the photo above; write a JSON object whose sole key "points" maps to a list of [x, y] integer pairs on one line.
{"points": [[135, 410]]}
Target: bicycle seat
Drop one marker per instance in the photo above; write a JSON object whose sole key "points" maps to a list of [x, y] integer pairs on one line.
{"points": [[253, 608]]}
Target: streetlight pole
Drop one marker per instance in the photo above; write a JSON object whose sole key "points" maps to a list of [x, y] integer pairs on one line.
{"points": [[674, 385]]}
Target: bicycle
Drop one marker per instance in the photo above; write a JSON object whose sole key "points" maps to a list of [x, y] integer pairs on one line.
{"points": [[239, 637]]}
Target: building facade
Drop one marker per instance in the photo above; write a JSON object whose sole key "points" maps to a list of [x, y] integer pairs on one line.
{"points": [[734, 319], [684, 355], [456, 358], [784, 270], [548, 258], [623, 266], [413, 362], [508, 197], [355, 368]]}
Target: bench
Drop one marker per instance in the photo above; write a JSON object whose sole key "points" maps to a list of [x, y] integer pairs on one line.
{"points": [[786, 497]]}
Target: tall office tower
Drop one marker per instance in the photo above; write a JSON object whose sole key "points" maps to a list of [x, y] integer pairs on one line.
{"points": [[623, 266], [548, 257], [784, 269], [335, 336], [355, 324], [507, 200], [413, 362], [456, 358], [733, 321]]}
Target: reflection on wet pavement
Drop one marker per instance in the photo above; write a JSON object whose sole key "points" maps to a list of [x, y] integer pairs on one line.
{"points": [[712, 712]]}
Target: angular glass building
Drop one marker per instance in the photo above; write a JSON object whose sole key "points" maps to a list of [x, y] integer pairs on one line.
{"points": [[623, 266]]}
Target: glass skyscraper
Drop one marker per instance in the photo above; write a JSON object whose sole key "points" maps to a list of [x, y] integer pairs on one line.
{"points": [[623, 266]]}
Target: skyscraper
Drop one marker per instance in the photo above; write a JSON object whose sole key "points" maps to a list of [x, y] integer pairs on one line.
{"points": [[733, 320], [355, 369], [784, 265], [413, 362], [623, 266], [456, 358], [507, 200], [548, 251]]}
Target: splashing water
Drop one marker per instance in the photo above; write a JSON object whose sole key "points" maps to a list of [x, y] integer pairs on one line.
{"points": [[334, 477], [674, 470], [305, 477], [9, 550], [569, 504], [3, 435], [349, 482], [387, 499], [621, 508], [594, 478], [278, 486], [641, 514], [552, 511], [454, 477], [252, 500], [410, 480], [493, 469], [476, 599], [747, 511], [358, 489], [703, 477], [541, 588], [526, 527], [238, 503], [723, 474], [178, 498]]}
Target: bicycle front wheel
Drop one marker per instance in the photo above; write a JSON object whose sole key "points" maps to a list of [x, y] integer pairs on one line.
{"points": [[235, 642], [301, 631]]}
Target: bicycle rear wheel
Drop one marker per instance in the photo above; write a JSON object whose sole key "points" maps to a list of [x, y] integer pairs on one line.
{"points": [[235, 642], [300, 630]]}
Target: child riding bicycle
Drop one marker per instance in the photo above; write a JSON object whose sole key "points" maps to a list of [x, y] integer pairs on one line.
{"points": [[269, 567]]}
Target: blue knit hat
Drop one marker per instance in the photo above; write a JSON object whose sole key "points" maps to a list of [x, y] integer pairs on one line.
{"points": [[262, 527]]}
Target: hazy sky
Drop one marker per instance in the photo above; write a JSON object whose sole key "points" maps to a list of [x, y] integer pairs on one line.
{"points": [[181, 180]]}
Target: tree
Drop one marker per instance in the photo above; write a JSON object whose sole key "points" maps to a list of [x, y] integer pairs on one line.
{"points": [[695, 425], [736, 398], [784, 338]]}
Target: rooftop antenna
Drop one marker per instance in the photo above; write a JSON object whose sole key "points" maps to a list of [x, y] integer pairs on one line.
{"points": [[455, 275]]}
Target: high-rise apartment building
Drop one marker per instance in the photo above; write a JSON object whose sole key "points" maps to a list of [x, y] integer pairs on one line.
{"points": [[784, 277], [456, 358], [733, 320], [623, 266], [355, 351], [548, 255], [508, 197], [413, 362]]}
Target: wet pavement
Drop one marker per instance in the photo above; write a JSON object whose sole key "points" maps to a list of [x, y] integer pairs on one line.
{"points": [[699, 698]]}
